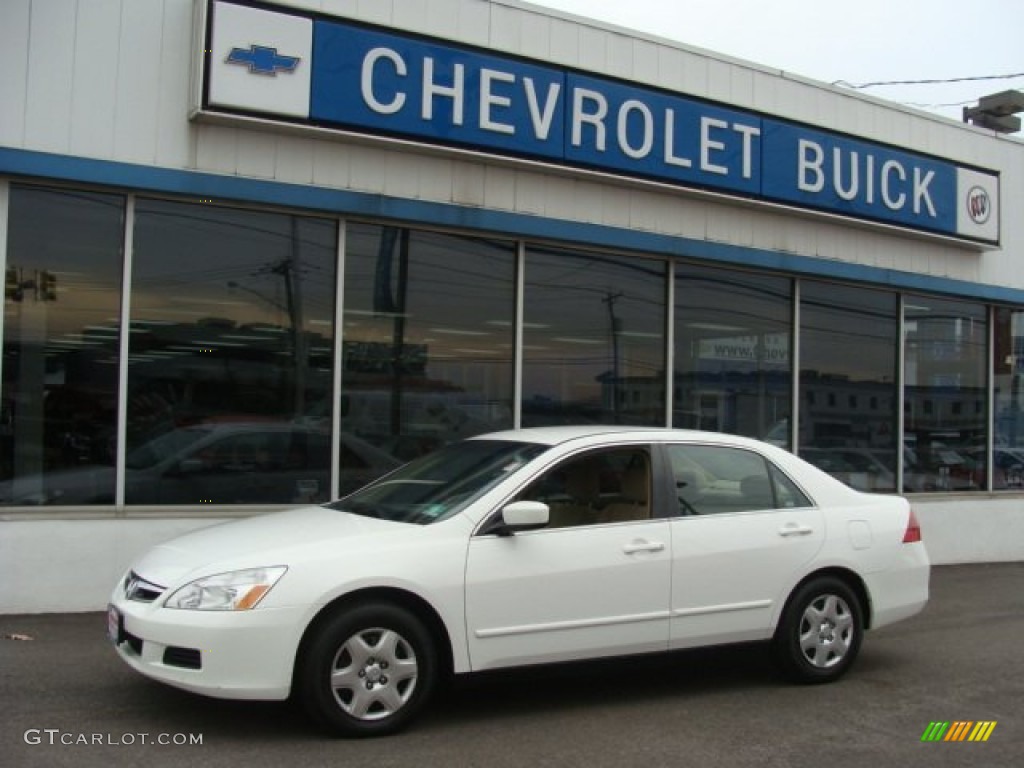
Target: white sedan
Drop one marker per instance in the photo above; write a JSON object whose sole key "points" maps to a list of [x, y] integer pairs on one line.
{"points": [[518, 548]]}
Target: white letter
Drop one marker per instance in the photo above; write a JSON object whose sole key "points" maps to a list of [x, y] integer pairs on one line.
{"points": [[670, 142], [887, 168], [706, 145], [748, 132], [488, 100], [811, 158], [921, 191], [870, 174], [648, 141], [367, 81], [432, 89], [837, 174], [596, 119], [541, 123]]}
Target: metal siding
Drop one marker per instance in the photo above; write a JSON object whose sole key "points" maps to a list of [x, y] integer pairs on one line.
{"points": [[51, 63], [139, 82], [175, 145], [473, 19], [14, 42], [94, 90]]}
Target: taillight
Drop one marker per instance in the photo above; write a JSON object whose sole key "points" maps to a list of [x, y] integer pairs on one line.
{"points": [[913, 532]]}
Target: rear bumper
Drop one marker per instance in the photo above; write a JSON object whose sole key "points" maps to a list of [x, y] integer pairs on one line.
{"points": [[901, 591]]}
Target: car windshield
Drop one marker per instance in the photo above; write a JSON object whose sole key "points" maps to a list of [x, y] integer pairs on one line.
{"points": [[438, 485], [162, 448]]}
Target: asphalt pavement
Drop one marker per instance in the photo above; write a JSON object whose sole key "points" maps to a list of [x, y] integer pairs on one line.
{"points": [[68, 700]]}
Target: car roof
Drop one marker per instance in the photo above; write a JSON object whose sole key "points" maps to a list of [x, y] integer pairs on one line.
{"points": [[556, 435]]}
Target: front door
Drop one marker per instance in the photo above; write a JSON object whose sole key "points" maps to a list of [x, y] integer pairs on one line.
{"points": [[594, 583]]}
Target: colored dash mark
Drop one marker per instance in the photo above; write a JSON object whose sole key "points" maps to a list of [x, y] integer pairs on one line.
{"points": [[959, 730]]}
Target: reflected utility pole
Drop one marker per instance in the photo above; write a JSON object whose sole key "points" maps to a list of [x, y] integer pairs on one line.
{"points": [[616, 328]]}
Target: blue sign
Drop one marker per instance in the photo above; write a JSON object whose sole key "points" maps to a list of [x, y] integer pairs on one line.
{"points": [[375, 81]]}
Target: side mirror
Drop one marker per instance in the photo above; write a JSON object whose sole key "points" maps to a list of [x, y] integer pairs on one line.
{"points": [[521, 516]]}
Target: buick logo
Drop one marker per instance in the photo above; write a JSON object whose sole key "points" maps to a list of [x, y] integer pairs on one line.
{"points": [[979, 205]]}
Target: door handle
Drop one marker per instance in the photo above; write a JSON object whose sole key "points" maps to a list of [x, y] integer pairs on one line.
{"points": [[795, 529], [641, 545]]}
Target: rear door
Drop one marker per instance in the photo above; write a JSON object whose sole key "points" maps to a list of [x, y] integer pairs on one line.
{"points": [[745, 534]]}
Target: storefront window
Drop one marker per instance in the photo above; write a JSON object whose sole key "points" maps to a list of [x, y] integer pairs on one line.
{"points": [[1008, 452], [945, 402], [230, 362], [594, 339], [60, 347], [428, 338], [848, 357], [732, 359]]}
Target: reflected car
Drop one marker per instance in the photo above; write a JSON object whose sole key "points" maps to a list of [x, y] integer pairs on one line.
{"points": [[218, 463], [856, 467], [521, 548]]}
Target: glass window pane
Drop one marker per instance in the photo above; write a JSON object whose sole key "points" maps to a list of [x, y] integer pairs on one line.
{"points": [[594, 339], [1008, 456], [732, 361], [60, 347], [945, 402], [429, 336], [714, 480], [848, 355], [229, 372]]}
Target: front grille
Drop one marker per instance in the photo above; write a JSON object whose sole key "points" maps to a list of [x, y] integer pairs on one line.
{"points": [[141, 591], [187, 658]]}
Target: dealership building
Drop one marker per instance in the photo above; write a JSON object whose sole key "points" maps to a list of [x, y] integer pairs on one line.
{"points": [[257, 254]]}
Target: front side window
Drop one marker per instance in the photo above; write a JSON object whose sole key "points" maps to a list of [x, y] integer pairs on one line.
{"points": [[712, 479], [607, 486], [61, 331]]}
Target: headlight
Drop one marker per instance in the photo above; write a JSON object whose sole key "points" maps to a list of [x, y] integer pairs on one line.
{"points": [[235, 591]]}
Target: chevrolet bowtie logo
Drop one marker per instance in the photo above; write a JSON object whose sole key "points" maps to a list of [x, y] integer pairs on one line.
{"points": [[262, 60]]}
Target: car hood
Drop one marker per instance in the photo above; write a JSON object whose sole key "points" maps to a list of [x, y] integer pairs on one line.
{"points": [[255, 542]]}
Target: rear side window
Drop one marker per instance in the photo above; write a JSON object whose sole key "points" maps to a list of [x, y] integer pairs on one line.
{"points": [[715, 479]]}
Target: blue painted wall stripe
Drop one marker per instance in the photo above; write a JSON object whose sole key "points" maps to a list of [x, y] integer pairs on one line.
{"points": [[43, 166]]}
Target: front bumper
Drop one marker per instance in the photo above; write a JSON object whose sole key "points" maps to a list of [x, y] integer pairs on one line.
{"points": [[223, 654]]}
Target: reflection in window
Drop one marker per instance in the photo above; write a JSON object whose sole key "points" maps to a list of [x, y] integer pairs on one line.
{"points": [[848, 351], [594, 339], [732, 361], [428, 338], [945, 395], [231, 329], [62, 300], [714, 480], [1008, 452]]}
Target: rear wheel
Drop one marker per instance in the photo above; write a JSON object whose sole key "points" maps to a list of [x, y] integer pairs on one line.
{"points": [[368, 670], [820, 632]]}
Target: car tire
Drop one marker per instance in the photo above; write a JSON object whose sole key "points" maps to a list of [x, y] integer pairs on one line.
{"points": [[367, 670], [820, 632]]}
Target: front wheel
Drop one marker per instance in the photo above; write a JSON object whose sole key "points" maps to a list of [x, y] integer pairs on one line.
{"points": [[820, 632], [367, 670]]}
